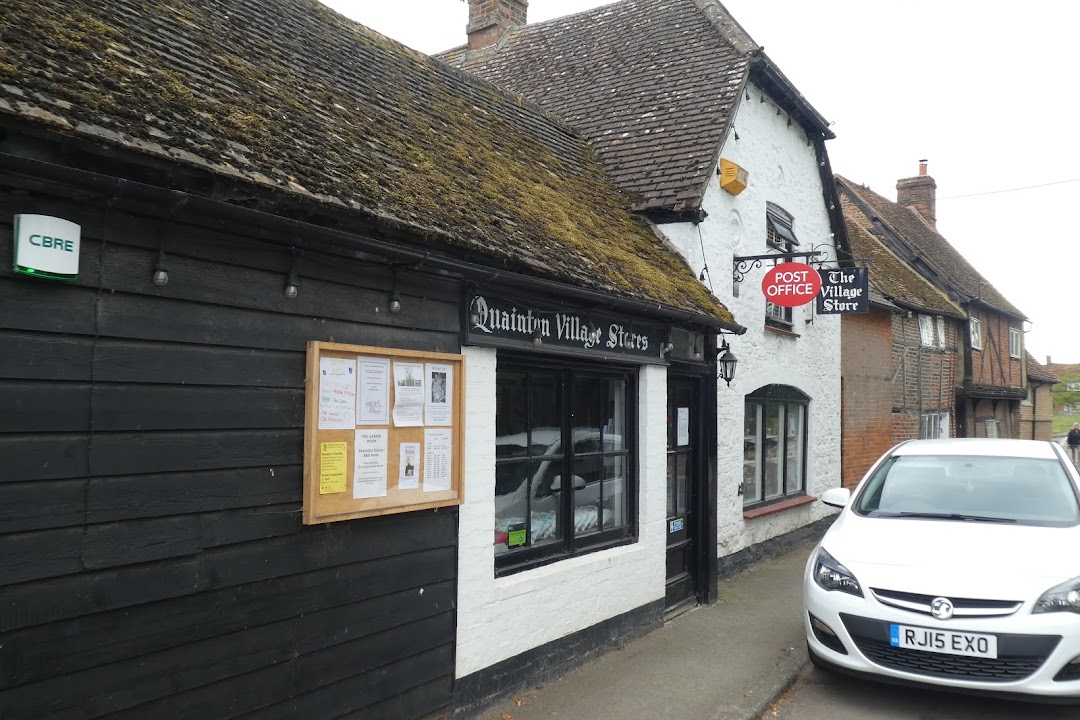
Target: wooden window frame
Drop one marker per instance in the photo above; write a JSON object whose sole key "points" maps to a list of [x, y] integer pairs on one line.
{"points": [[570, 544], [784, 396]]}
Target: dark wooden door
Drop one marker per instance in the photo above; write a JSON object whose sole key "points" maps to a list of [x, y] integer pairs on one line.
{"points": [[683, 464]]}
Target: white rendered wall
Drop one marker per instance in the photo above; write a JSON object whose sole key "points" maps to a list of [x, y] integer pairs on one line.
{"points": [[783, 169], [500, 618]]}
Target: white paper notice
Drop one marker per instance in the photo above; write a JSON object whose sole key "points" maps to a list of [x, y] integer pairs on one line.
{"points": [[409, 466], [408, 394], [337, 393], [682, 428], [436, 460], [369, 469], [438, 409], [373, 405]]}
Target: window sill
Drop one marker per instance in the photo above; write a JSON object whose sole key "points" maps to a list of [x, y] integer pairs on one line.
{"points": [[508, 568], [781, 331], [778, 507]]}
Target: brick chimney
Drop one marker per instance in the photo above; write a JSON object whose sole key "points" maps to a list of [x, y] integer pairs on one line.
{"points": [[920, 193], [490, 20]]}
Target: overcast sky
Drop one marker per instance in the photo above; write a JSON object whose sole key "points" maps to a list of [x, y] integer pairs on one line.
{"points": [[985, 90]]}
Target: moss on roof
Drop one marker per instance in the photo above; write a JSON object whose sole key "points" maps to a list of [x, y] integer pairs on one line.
{"points": [[288, 94], [932, 248], [890, 275]]}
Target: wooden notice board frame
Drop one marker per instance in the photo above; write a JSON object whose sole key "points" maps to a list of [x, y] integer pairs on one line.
{"points": [[334, 505]]}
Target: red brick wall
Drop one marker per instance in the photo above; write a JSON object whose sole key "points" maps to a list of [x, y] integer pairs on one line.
{"points": [[867, 368], [890, 381]]}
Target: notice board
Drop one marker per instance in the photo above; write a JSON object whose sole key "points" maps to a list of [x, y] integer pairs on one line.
{"points": [[383, 431]]}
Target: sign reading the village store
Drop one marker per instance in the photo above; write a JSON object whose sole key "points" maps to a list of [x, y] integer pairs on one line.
{"points": [[791, 284], [497, 320], [844, 291]]}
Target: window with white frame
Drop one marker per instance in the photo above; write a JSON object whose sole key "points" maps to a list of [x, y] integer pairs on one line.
{"points": [[941, 332], [779, 228], [778, 315], [774, 444], [976, 333], [991, 428], [926, 331], [779, 235], [564, 452], [1016, 343], [933, 426]]}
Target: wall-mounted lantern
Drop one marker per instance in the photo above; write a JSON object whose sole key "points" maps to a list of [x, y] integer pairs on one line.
{"points": [[726, 362]]}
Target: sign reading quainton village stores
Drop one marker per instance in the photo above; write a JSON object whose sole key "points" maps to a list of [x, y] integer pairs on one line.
{"points": [[844, 291], [497, 320]]}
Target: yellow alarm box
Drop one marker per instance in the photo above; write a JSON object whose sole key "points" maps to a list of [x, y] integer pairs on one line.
{"points": [[732, 177]]}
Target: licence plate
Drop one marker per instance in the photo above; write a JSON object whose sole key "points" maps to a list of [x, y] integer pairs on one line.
{"points": [[947, 642]]}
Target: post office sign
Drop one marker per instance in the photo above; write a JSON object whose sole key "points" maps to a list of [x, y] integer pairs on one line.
{"points": [[47, 247]]}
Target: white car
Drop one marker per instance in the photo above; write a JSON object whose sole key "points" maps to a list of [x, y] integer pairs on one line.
{"points": [[954, 563]]}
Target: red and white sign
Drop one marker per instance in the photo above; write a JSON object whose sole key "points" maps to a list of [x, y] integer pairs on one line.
{"points": [[791, 284]]}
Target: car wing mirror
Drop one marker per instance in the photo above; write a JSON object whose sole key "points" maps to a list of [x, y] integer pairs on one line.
{"points": [[836, 497], [556, 483]]}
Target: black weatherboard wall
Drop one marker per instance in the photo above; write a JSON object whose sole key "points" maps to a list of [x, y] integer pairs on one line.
{"points": [[152, 559]]}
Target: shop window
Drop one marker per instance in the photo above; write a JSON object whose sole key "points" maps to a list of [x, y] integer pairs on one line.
{"points": [[976, 333], [774, 444], [1016, 343], [564, 474]]}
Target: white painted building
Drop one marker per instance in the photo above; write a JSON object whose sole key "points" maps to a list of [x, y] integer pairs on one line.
{"points": [[784, 170], [663, 90]]}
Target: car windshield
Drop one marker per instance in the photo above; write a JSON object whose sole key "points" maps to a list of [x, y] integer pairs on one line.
{"points": [[1028, 491]]}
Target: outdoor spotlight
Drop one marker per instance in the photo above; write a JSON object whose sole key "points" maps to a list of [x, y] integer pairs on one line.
{"points": [[161, 274], [538, 339], [292, 285]]}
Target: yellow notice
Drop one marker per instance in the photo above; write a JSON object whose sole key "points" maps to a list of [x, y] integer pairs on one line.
{"points": [[333, 467]]}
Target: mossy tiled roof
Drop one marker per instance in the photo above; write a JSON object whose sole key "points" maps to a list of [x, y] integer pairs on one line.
{"points": [[890, 276], [652, 84], [289, 95], [931, 247]]}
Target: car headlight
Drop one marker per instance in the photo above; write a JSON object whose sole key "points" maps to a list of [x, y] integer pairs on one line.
{"points": [[1061, 598], [831, 575]]}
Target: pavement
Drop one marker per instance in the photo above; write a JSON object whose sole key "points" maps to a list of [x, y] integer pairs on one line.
{"points": [[726, 661]]}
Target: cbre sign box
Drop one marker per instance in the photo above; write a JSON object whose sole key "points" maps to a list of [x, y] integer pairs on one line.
{"points": [[791, 284], [47, 247]]}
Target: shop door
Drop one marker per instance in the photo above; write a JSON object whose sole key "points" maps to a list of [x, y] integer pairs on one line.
{"points": [[683, 491]]}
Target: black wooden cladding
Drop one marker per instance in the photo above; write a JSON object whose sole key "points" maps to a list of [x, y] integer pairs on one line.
{"points": [[152, 559]]}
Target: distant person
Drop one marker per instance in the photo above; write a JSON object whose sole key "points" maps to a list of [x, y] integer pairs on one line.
{"points": [[1073, 441]]}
